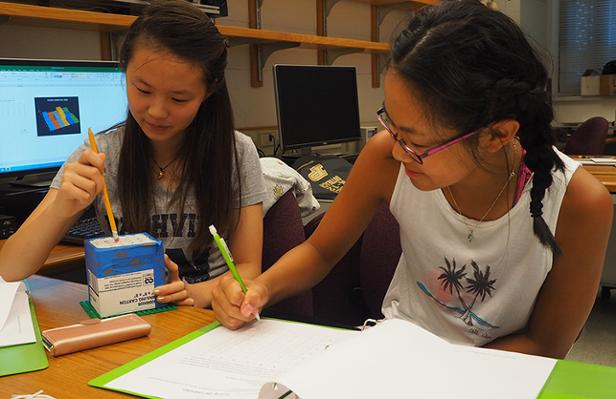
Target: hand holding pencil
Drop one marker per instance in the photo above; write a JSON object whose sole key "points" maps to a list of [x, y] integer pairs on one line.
{"points": [[82, 181], [233, 308], [230, 314]]}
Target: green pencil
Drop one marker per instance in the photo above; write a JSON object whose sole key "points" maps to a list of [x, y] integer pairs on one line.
{"points": [[226, 254]]}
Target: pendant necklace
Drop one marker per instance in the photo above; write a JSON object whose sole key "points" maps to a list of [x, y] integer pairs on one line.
{"points": [[161, 169], [471, 228]]}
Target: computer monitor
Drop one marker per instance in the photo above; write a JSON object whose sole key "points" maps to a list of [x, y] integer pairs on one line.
{"points": [[47, 106], [316, 105]]}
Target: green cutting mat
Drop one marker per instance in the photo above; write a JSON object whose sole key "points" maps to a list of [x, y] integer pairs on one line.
{"points": [[89, 309]]}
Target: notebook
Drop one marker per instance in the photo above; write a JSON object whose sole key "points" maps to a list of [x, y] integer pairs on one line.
{"points": [[274, 359], [21, 347]]}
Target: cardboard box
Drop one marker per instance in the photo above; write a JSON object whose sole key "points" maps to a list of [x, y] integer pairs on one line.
{"points": [[590, 85], [122, 276], [607, 85]]}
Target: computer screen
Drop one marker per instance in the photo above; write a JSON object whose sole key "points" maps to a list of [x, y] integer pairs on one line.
{"points": [[316, 105], [47, 106]]}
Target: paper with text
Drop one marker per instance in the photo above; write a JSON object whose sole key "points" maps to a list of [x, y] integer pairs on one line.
{"points": [[398, 359], [15, 318], [230, 364]]}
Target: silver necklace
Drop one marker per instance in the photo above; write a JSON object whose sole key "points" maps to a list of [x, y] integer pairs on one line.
{"points": [[471, 229]]}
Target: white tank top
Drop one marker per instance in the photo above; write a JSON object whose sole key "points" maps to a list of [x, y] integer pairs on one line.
{"points": [[469, 293]]}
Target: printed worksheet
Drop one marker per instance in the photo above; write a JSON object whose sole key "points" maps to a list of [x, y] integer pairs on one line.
{"points": [[230, 364]]}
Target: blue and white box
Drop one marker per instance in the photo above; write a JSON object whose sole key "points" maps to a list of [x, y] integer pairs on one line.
{"points": [[122, 275]]}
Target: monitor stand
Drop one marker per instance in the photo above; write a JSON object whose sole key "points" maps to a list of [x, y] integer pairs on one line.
{"points": [[40, 180]]}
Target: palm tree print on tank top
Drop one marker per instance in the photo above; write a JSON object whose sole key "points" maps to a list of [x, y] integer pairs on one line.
{"points": [[458, 292]]}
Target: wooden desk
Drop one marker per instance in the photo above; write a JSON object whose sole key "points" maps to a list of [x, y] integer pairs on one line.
{"points": [[606, 174], [57, 304]]}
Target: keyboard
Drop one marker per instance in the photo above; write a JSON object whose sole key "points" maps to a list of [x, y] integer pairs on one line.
{"points": [[85, 228]]}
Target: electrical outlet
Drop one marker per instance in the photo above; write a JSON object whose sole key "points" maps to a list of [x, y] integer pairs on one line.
{"points": [[263, 139], [267, 138]]}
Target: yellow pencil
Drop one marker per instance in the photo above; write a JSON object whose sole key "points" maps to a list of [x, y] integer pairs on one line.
{"points": [[114, 229]]}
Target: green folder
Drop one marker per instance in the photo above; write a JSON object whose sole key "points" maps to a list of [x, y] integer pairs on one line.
{"points": [[568, 380], [103, 380], [26, 357], [571, 379]]}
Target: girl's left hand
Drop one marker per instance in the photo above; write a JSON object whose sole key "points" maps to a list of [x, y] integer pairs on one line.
{"points": [[175, 289]]}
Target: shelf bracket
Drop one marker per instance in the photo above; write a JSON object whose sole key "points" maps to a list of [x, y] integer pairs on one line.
{"points": [[383, 10], [379, 63], [324, 7], [332, 54], [377, 16], [259, 53], [254, 13]]}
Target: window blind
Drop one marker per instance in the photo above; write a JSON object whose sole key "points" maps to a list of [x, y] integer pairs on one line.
{"points": [[587, 40]]}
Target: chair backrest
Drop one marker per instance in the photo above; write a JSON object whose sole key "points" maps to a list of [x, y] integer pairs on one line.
{"points": [[589, 138], [379, 256], [283, 230], [354, 290]]}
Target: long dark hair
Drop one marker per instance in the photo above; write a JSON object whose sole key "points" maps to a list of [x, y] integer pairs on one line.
{"points": [[473, 66], [208, 153]]}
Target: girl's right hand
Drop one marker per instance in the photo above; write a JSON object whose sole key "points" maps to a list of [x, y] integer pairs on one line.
{"points": [[234, 308], [81, 183]]}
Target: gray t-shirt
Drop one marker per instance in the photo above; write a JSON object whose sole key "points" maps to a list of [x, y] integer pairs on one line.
{"points": [[165, 224]]}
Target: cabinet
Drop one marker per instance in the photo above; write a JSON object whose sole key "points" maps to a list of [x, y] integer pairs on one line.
{"points": [[262, 42]]}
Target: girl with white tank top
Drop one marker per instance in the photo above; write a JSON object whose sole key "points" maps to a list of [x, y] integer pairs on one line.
{"points": [[503, 237]]}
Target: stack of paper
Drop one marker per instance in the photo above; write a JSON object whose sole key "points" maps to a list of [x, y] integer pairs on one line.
{"points": [[270, 358], [399, 359], [15, 318]]}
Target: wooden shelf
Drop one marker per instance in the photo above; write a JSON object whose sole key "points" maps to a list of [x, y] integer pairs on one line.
{"points": [[262, 35], [114, 21], [419, 3], [262, 42], [101, 19]]}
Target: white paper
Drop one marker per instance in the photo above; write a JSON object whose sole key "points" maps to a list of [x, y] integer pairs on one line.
{"points": [[609, 161], [394, 359], [597, 161], [15, 318], [7, 296], [127, 240], [230, 364], [399, 359]]}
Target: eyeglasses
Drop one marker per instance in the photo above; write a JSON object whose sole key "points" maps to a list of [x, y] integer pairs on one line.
{"points": [[383, 118]]}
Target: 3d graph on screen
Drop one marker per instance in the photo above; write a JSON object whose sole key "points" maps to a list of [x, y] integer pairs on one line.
{"points": [[57, 115], [59, 118]]}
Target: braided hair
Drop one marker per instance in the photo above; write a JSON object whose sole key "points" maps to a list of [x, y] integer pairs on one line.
{"points": [[473, 66]]}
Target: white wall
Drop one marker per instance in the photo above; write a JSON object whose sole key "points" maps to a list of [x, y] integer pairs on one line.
{"points": [[580, 109], [21, 41]]}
